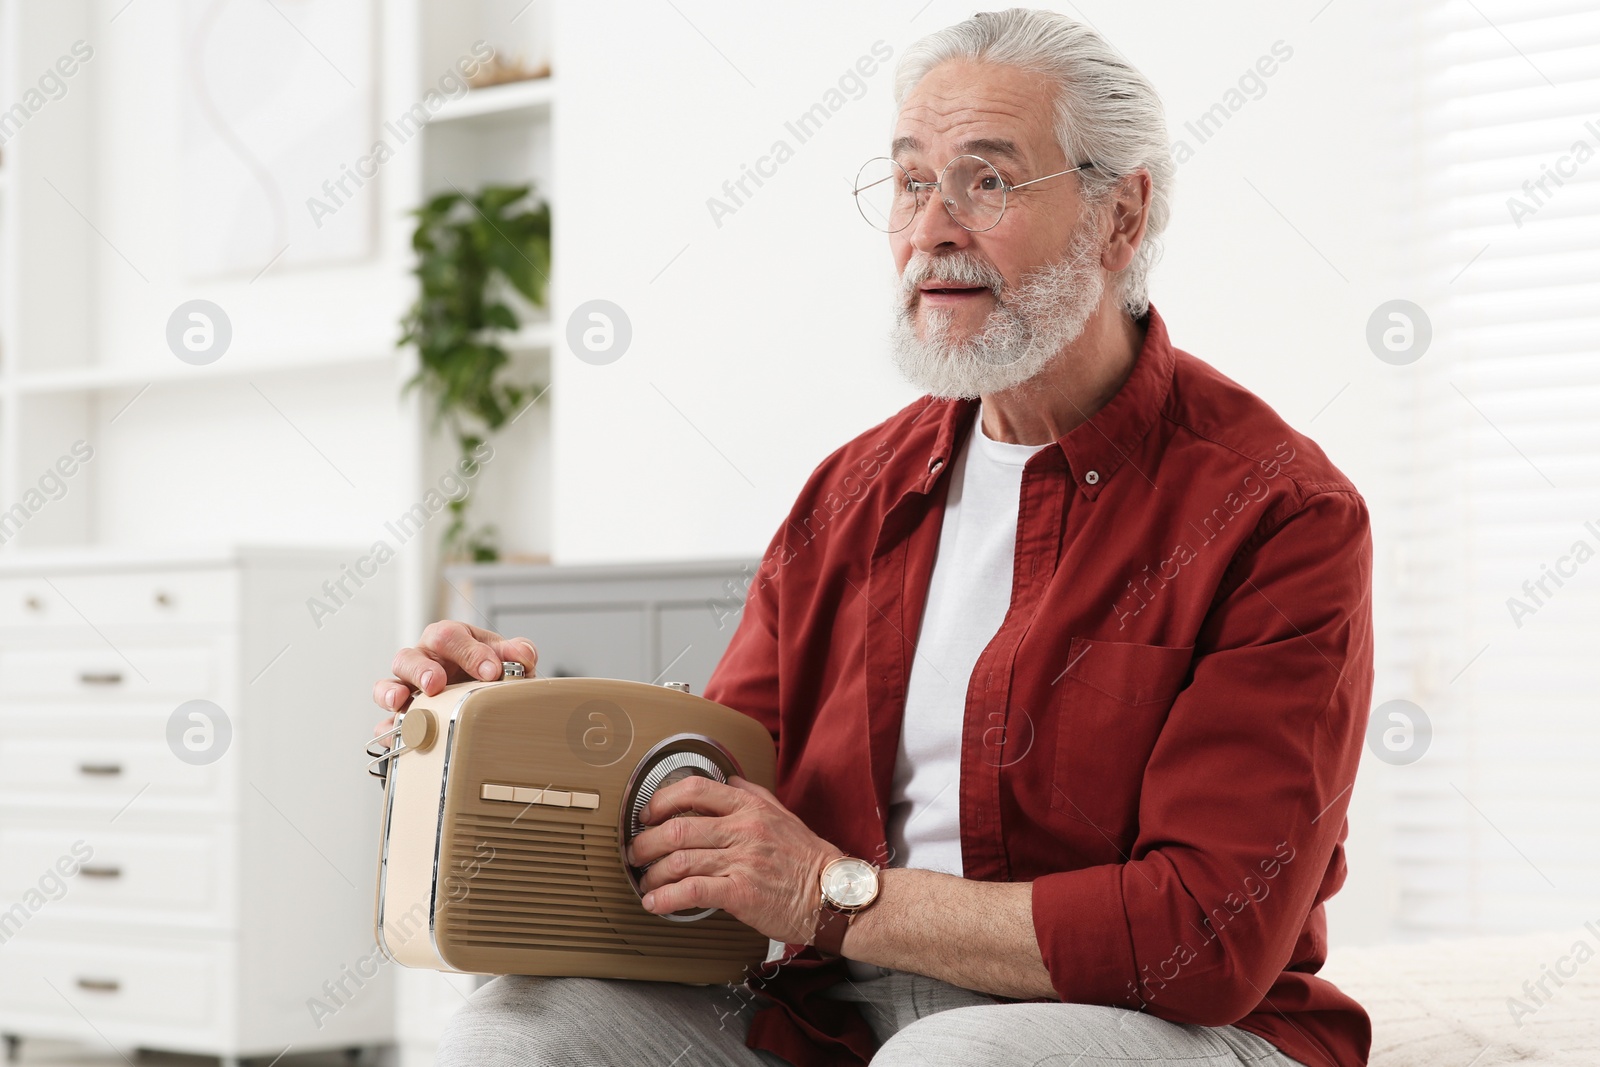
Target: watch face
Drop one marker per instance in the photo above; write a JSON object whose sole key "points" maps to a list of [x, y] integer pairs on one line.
{"points": [[850, 883]]}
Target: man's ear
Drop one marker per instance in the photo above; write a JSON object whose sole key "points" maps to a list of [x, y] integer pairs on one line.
{"points": [[1130, 212]]}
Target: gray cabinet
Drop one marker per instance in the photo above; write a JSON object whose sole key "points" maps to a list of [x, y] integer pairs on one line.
{"points": [[649, 622]]}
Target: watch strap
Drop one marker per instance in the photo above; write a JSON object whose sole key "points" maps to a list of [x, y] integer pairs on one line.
{"points": [[831, 926]]}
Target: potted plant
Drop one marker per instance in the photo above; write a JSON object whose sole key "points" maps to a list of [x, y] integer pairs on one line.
{"points": [[472, 251]]}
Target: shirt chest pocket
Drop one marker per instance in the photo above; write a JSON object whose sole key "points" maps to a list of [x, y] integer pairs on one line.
{"points": [[1113, 701]]}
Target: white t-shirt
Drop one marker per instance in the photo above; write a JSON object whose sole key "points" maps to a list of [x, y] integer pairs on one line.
{"points": [[968, 594]]}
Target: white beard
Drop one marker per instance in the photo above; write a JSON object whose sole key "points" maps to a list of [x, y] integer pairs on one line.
{"points": [[1021, 336]]}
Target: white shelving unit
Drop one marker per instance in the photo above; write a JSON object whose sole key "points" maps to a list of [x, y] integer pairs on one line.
{"points": [[88, 209], [302, 434]]}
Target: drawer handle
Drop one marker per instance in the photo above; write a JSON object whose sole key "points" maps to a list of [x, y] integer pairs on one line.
{"points": [[100, 770], [100, 872], [33, 603], [99, 985], [163, 600], [100, 677]]}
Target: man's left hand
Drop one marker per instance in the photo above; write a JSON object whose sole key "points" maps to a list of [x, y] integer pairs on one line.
{"points": [[733, 847]]}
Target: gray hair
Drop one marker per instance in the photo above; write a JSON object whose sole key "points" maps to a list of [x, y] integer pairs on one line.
{"points": [[1107, 112]]}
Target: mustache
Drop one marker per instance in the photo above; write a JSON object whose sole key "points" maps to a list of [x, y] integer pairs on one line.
{"points": [[960, 267]]}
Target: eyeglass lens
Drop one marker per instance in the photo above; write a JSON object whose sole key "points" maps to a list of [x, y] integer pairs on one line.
{"points": [[970, 188]]}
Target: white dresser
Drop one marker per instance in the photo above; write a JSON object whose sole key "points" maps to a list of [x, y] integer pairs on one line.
{"points": [[195, 877]]}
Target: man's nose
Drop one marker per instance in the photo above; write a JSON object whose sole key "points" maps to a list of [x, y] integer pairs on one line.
{"points": [[934, 230]]}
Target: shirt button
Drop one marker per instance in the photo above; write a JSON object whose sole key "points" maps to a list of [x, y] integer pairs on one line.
{"points": [[934, 464], [1092, 477]]}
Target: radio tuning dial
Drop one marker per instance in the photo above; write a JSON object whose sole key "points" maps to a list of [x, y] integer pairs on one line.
{"points": [[656, 773], [672, 767]]}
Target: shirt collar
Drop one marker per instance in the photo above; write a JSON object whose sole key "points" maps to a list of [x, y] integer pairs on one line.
{"points": [[1095, 451]]}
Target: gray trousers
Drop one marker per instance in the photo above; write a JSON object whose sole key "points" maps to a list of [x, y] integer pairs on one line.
{"points": [[585, 1022]]}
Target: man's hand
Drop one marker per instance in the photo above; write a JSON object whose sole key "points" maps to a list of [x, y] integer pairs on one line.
{"points": [[733, 847], [447, 652]]}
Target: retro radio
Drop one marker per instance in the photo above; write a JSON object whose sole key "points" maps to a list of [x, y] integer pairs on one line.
{"points": [[507, 808]]}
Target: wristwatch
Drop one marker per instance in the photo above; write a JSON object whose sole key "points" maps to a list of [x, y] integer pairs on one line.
{"points": [[849, 885]]}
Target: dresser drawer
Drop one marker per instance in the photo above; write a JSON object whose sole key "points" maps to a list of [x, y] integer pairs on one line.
{"points": [[92, 674], [199, 596], [170, 877], [85, 763], [110, 983]]}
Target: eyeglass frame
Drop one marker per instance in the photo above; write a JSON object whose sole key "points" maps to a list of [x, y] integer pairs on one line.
{"points": [[1006, 189]]}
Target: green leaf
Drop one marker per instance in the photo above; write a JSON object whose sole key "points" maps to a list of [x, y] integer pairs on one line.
{"points": [[499, 317], [464, 246]]}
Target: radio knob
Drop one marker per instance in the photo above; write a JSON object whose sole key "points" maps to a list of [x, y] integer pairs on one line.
{"points": [[672, 767], [666, 768], [418, 728]]}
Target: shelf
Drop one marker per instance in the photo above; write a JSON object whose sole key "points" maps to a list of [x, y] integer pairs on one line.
{"points": [[536, 337], [94, 379], [497, 101]]}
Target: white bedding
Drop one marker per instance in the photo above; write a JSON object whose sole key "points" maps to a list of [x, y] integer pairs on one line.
{"points": [[1463, 1003]]}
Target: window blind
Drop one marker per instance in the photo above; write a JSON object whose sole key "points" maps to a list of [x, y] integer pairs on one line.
{"points": [[1492, 624]]}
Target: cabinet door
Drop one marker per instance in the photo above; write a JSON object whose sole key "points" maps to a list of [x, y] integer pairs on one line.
{"points": [[123, 876], [100, 761], [690, 639], [98, 672], [609, 642], [44, 980]]}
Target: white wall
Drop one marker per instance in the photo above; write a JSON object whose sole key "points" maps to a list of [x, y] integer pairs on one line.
{"points": [[758, 343], [763, 339], [760, 340]]}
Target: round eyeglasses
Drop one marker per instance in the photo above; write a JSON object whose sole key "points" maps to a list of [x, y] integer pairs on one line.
{"points": [[970, 188]]}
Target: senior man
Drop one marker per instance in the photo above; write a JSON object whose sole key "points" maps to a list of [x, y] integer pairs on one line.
{"points": [[1067, 663]]}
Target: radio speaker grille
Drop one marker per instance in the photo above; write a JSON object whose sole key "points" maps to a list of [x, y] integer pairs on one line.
{"points": [[524, 882]]}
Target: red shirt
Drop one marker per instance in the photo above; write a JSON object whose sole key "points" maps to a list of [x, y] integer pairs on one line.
{"points": [[1161, 736]]}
